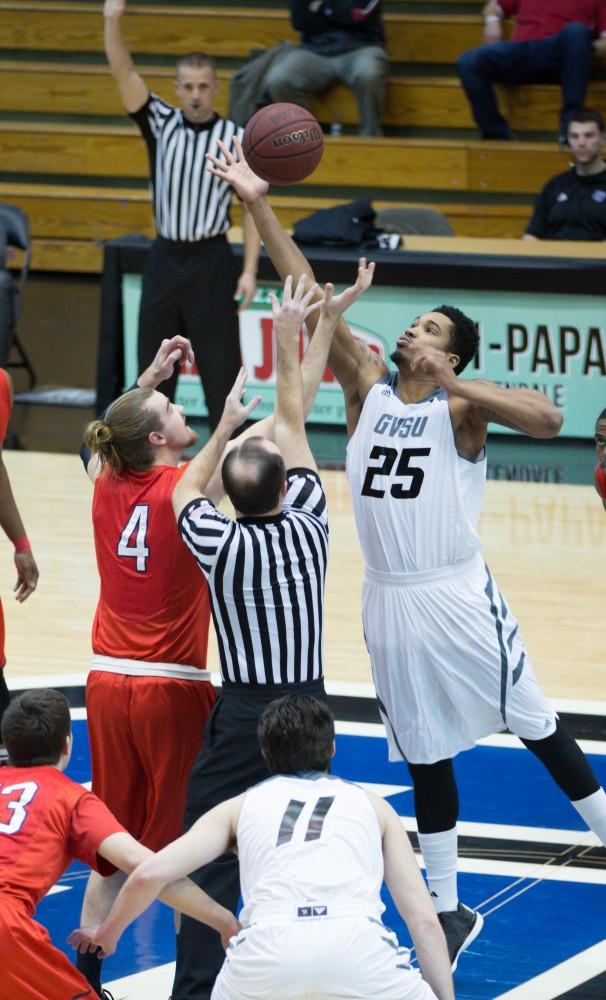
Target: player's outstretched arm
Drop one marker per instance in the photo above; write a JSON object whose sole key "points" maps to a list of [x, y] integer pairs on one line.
{"points": [[289, 419], [133, 90], [162, 875], [199, 473], [356, 367], [411, 897], [12, 525]]}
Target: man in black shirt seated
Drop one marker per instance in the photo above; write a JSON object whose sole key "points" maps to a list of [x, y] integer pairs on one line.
{"points": [[572, 205], [341, 40]]}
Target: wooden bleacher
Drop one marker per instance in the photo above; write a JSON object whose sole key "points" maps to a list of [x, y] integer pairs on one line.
{"points": [[71, 159]]}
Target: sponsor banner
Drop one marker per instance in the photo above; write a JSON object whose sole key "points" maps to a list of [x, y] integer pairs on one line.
{"points": [[554, 343]]}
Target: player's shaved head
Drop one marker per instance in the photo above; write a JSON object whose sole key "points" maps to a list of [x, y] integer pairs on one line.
{"points": [[35, 727], [253, 476]]}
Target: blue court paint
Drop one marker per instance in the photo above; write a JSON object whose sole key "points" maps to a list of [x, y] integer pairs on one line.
{"points": [[544, 926]]}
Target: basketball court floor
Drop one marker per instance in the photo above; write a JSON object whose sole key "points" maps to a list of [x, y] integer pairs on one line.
{"points": [[538, 877]]}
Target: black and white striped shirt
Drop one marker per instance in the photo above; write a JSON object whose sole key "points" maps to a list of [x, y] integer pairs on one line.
{"points": [[266, 580], [190, 204]]}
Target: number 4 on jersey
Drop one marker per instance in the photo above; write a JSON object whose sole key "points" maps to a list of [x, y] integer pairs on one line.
{"points": [[132, 544]]}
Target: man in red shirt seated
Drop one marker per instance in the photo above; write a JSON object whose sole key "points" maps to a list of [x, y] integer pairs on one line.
{"points": [[552, 42], [47, 820]]}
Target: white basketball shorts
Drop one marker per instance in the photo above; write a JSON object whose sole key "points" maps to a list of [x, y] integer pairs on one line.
{"points": [[322, 958], [449, 663]]}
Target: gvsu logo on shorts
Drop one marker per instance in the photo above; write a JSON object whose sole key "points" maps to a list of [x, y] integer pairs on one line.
{"points": [[312, 911]]}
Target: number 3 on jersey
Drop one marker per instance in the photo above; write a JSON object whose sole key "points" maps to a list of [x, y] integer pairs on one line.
{"points": [[132, 544], [404, 470], [14, 805]]}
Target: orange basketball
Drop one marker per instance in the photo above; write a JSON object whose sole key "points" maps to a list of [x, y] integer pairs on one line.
{"points": [[283, 143]]}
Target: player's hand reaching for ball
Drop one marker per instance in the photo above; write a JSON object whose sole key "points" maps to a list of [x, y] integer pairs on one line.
{"points": [[235, 170], [334, 306], [291, 313], [235, 411], [173, 351]]}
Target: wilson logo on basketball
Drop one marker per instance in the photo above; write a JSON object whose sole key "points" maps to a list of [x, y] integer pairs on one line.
{"points": [[301, 136]]}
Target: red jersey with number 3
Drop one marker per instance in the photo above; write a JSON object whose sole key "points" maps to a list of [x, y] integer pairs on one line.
{"points": [[154, 602], [46, 820]]}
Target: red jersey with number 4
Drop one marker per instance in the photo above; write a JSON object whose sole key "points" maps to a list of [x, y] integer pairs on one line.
{"points": [[46, 820], [154, 601], [5, 405]]}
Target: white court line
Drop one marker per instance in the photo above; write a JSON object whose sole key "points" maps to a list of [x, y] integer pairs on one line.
{"points": [[544, 873], [501, 740], [565, 976], [57, 888], [533, 834], [352, 689], [155, 983]]}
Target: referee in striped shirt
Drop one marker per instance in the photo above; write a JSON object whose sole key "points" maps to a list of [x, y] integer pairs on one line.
{"points": [[191, 284], [265, 572]]}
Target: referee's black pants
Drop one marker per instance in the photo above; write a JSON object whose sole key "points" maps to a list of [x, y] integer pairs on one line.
{"points": [[229, 762], [188, 288]]}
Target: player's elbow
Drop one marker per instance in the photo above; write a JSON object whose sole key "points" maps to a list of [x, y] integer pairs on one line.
{"points": [[551, 422]]}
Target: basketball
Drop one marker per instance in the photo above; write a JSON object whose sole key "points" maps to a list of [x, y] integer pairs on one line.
{"points": [[600, 480], [283, 143]]}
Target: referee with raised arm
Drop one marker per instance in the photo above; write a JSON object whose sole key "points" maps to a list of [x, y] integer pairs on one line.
{"points": [[265, 573], [191, 285]]}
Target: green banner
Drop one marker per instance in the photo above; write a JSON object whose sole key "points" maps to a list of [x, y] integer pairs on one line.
{"points": [[553, 343]]}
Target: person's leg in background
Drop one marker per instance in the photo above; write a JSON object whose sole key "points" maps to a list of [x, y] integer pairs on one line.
{"points": [[572, 772], [298, 73], [212, 321], [575, 52], [480, 68], [4, 692], [365, 71], [159, 312]]}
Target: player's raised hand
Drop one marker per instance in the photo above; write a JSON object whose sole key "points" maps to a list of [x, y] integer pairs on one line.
{"points": [[172, 351], [235, 411], [295, 307], [334, 306], [27, 576], [235, 170], [114, 8]]}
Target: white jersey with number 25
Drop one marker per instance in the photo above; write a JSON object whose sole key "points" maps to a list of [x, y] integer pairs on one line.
{"points": [[309, 840], [416, 502]]}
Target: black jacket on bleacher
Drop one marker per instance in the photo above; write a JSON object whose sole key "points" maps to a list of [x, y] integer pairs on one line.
{"points": [[332, 27]]}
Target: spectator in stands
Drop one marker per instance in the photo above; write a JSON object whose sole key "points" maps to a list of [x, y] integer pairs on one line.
{"points": [[572, 205], [552, 42], [340, 40]]}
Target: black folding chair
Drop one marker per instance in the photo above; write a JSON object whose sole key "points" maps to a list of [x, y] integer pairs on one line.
{"points": [[14, 230]]}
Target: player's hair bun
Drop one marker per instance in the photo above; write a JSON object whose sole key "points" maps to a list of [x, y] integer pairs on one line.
{"points": [[99, 437]]}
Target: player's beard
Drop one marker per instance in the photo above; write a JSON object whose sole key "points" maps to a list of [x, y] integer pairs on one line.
{"points": [[398, 357]]}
